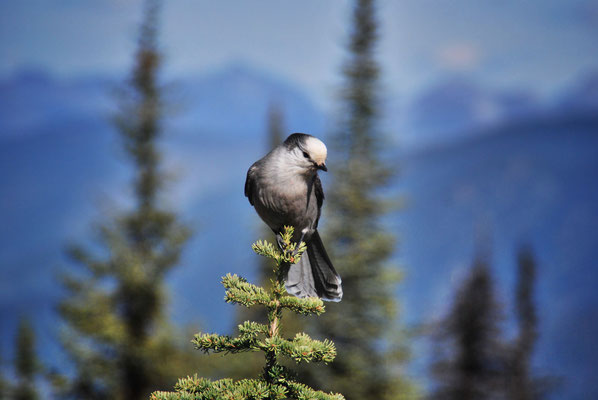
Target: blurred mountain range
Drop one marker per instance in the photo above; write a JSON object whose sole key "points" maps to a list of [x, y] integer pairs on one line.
{"points": [[519, 168]]}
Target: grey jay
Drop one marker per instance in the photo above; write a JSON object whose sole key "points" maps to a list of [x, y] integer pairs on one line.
{"points": [[285, 189]]}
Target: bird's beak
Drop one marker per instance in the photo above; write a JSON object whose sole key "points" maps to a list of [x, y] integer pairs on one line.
{"points": [[322, 167]]}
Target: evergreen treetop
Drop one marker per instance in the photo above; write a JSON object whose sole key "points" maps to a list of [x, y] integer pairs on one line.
{"points": [[276, 381]]}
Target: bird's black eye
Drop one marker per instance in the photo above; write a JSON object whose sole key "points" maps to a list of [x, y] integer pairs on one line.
{"points": [[305, 154]]}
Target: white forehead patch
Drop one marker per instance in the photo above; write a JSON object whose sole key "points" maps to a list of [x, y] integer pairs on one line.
{"points": [[316, 149]]}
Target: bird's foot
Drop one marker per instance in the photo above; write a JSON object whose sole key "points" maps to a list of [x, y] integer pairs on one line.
{"points": [[298, 246], [281, 244]]}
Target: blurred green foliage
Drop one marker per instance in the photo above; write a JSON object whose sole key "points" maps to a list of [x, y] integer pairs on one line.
{"points": [[26, 364], [116, 333]]}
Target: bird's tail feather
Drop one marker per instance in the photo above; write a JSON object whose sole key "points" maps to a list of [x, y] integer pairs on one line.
{"points": [[314, 274]]}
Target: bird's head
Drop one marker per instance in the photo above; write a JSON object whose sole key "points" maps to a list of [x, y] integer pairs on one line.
{"points": [[307, 152]]}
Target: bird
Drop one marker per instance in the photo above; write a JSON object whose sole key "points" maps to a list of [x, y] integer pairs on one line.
{"points": [[285, 190]]}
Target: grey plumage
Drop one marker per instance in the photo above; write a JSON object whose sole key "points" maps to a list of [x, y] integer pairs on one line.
{"points": [[285, 189]]}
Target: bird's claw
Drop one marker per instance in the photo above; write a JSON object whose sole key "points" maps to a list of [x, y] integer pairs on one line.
{"points": [[281, 244], [298, 246]]}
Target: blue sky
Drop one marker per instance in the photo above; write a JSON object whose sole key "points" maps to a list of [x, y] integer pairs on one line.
{"points": [[542, 44]]}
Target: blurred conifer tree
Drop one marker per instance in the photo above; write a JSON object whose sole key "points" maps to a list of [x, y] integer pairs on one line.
{"points": [[251, 363], [4, 384], [365, 323], [276, 125], [275, 135], [122, 345], [475, 360], [471, 359], [27, 365], [523, 383]]}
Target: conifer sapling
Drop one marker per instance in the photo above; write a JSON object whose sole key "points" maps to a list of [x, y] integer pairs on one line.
{"points": [[276, 381]]}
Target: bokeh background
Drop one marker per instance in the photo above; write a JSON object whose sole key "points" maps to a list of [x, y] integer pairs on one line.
{"points": [[491, 109]]}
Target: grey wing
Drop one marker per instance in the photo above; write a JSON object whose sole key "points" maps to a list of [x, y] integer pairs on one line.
{"points": [[250, 183], [319, 192]]}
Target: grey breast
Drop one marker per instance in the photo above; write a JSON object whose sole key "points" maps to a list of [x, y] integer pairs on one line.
{"points": [[285, 200]]}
